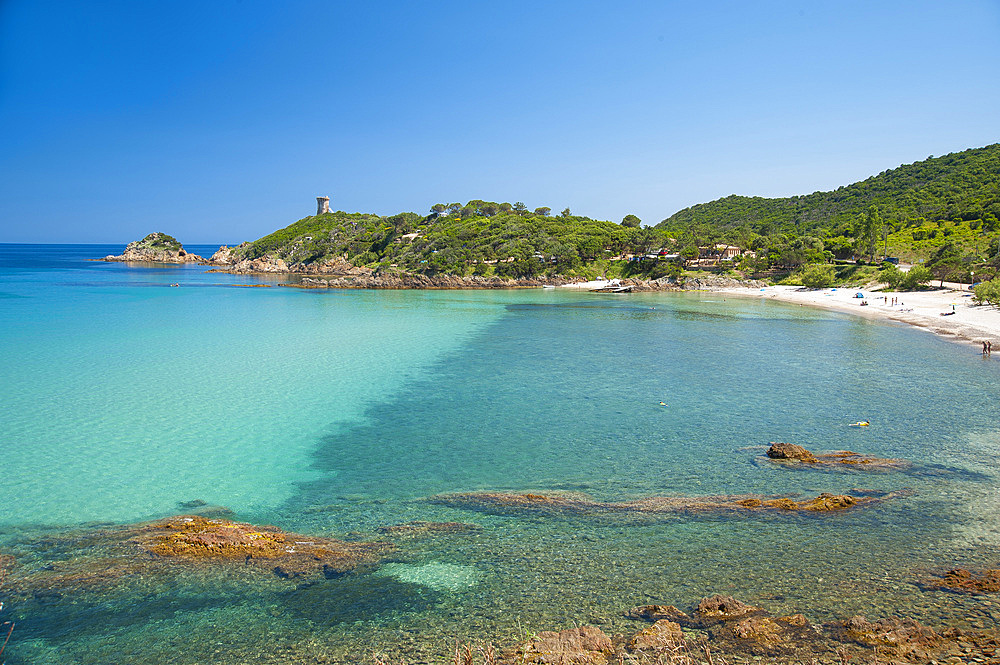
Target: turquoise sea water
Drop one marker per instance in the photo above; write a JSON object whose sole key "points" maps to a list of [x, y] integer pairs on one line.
{"points": [[337, 412]]}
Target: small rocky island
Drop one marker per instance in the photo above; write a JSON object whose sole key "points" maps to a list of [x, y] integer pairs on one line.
{"points": [[155, 248]]}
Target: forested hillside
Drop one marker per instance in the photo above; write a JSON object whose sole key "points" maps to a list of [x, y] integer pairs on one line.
{"points": [[943, 210], [481, 237], [957, 194]]}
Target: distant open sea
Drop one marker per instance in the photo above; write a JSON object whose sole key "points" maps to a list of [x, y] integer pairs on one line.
{"points": [[333, 413]]}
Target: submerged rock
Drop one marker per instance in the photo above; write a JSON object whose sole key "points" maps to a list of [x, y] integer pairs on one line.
{"points": [[658, 613], [6, 565], [664, 634], [903, 638], [719, 608], [961, 580], [97, 559], [290, 554], [511, 502], [733, 627], [796, 454], [155, 248], [580, 646], [419, 528], [823, 503]]}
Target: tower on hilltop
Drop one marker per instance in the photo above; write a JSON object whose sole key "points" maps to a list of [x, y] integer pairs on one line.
{"points": [[322, 204]]}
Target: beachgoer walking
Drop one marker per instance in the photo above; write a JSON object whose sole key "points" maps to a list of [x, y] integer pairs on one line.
{"points": [[984, 348]]}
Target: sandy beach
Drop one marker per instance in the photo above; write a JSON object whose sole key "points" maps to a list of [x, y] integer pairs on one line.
{"points": [[969, 324]]}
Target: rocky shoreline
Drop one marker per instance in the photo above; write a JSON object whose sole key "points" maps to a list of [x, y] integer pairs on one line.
{"points": [[340, 274], [723, 629], [718, 630], [396, 280]]}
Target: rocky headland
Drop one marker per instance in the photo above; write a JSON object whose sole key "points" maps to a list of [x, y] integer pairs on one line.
{"points": [[339, 273], [155, 248]]}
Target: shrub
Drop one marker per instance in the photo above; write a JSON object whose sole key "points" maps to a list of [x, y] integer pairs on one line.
{"points": [[914, 277], [891, 275], [987, 292], [817, 276]]}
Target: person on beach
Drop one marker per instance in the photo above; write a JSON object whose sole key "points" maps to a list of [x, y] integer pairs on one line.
{"points": [[985, 347]]}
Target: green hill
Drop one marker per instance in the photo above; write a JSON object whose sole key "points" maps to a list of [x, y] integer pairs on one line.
{"points": [[954, 198], [481, 238], [941, 207]]}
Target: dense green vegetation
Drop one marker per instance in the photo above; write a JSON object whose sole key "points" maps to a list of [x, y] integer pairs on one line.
{"points": [[161, 242], [917, 208], [480, 237], [941, 212], [988, 292]]}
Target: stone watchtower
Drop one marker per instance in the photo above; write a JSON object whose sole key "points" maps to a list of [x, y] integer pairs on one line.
{"points": [[322, 204]]}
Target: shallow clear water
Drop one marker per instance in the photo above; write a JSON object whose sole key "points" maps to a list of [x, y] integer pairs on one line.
{"points": [[336, 412]]}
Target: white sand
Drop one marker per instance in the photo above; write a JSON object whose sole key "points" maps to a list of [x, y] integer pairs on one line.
{"points": [[969, 324]]}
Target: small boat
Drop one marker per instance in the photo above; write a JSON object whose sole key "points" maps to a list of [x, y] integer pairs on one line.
{"points": [[614, 286], [860, 423]]}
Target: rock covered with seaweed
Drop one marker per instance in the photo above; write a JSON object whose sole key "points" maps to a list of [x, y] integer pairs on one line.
{"points": [[720, 628], [740, 504], [99, 558], [795, 455]]}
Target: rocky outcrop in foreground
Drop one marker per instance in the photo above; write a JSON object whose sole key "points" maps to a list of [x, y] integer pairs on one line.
{"points": [[287, 554], [722, 629], [97, 559], [797, 455], [512, 502], [155, 248]]}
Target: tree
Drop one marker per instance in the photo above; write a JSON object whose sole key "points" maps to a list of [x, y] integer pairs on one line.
{"points": [[870, 230], [438, 208], [914, 277], [946, 262], [520, 207], [690, 252], [817, 276], [543, 211], [891, 275], [631, 221], [987, 292], [565, 213]]}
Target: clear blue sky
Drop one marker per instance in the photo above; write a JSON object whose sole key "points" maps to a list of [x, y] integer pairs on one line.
{"points": [[223, 120]]}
